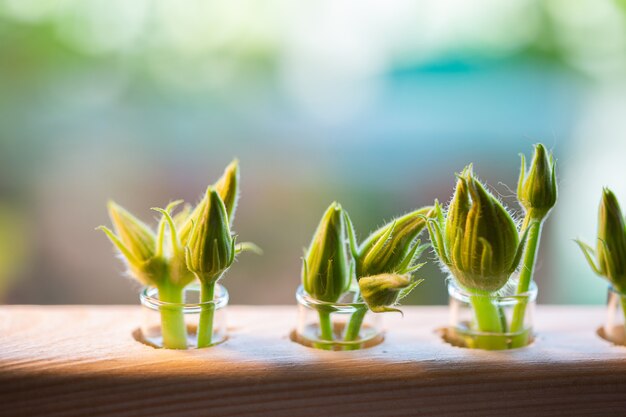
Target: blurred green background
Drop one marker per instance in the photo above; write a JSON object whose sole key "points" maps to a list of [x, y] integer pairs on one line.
{"points": [[375, 104]]}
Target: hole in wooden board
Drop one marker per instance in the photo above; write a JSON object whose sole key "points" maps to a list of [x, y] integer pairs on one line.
{"points": [[615, 335], [155, 341], [338, 344], [455, 338]]}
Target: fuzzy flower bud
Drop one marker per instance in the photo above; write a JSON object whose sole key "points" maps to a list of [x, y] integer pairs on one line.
{"points": [[326, 270], [478, 240], [211, 248], [610, 252], [228, 189], [136, 242], [394, 247], [380, 292], [536, 188]]}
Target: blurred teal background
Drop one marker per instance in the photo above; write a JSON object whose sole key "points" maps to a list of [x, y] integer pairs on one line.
{"points": [[375, 104]]}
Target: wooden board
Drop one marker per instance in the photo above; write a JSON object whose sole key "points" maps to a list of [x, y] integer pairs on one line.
{"points": [[82, 361]]}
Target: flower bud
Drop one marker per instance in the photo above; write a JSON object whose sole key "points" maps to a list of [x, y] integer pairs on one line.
{"points": [[380, 292], [537, 188], [394, 247], [136, 242], [326, 270], [478, 240], [228, 189], [611, 246], [211, 248]]}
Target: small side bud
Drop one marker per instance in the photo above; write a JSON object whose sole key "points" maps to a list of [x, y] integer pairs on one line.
{"points": [[383, 291], [537, 188]]}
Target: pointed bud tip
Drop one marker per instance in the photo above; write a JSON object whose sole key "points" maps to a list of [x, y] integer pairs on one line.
{"points": [[212, 194], [211, 191], [232, 167], [607, 193], [112, 205], [333, 212], [468, 171]]}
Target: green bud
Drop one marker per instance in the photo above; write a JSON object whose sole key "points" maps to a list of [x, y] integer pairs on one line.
{"points": [[228, 188], [611, 246], [537, 188], [326, 270], [211, 248], [393, 248], [380, 292], [137, 243], [477, 240]]}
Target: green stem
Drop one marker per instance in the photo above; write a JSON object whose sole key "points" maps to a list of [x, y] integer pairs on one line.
{"points": [[326, 329], [526, 275], [354, 328], [354, 325], [173, 328], [488, 320], [356, 320], [205, 324]]}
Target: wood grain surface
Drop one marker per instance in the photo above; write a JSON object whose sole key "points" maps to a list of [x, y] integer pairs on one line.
{"points": [[82, 361]]}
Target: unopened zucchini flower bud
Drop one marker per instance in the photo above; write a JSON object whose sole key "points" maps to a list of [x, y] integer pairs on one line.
{"points": [[394, 248], [383, 291], [537, 188], [477, 240], [610, 253], [211, 247], [327, 270], [137, 244], [228, 189]]}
